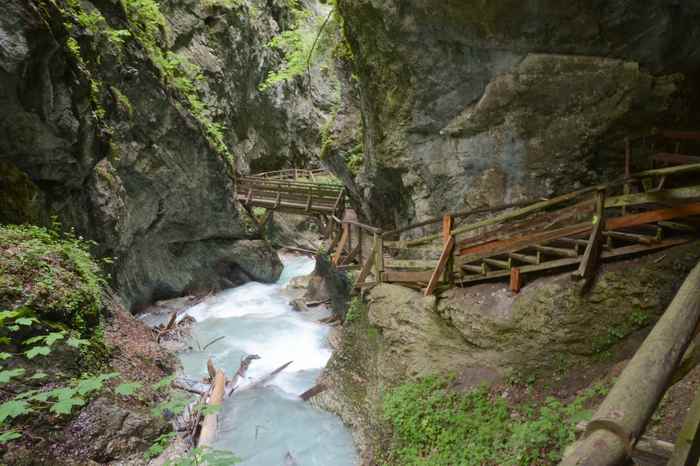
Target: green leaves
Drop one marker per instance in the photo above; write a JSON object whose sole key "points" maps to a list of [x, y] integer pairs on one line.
{"points": [[127, 389], [26, 321], [13, 408], [8, 436], [36, 351], [76, 342], [65, 406], [6, 375], [164, 382]]}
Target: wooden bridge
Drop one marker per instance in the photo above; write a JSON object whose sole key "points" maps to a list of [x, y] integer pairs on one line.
{"points": [[641, 212]]}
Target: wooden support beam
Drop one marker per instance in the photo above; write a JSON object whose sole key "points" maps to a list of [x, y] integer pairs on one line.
{"points": [[351, 255], [552, 251], [515, 280], [250, 196], [528, 259], [366, 268], [341, 244], [439, 269], [501, 264], [480, 269], [379, 257], [308, 202], [590, 259], [633, 237]]}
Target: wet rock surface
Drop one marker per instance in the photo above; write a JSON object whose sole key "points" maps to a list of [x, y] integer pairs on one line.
{"points": [[470, 104]]}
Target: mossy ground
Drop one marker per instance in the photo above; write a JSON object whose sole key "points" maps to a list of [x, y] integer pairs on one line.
{"points": [[54, 276]]}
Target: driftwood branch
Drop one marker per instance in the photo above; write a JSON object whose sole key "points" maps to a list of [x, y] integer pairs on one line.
{"points": [[240, 374], [207, 434], [312, 392], [266, 378], [204, 348]]}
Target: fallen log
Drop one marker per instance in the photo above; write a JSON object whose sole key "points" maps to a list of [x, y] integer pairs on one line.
{"points": [[211, 370], [207, 435], [621, 418]]}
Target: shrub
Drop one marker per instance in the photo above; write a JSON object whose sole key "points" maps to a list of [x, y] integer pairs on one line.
{"points": [[434, 425]]}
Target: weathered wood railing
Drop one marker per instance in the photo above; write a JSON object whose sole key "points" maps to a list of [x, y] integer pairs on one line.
{"points": [[578, 228], [297, 174]]}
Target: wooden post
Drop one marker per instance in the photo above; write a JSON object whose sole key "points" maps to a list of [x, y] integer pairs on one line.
{"points": [[379, 257], [687, 450], [447, 225], [515, 280], [442, 263], [591, 256], [626, 187], [359, 244], [341, 244], [366, 268]]}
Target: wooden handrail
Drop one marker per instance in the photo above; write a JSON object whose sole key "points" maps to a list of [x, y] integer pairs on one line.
{"points": [[531, 206]]}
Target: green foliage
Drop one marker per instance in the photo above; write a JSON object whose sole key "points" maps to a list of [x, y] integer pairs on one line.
{"points": [[159, 445], [308, 43], [199, 456], [355, 309], [434, 426], [228, 4], [51, 274], [128, 389]]}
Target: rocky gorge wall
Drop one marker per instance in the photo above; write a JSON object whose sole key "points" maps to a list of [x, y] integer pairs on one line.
{"points": [[127, 122], [471, 104]]}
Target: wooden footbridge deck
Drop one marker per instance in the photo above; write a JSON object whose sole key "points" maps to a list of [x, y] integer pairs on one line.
{"points": [[641, 212]]}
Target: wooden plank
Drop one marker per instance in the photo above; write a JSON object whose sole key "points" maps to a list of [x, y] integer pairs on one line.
{"points": [[498, 263], [643, 239], [653, 216], [671, 196], [475, 268], [680, 159], [366, 268], [591, 256], [379, 257], [439, 269], [681, 135], [398, 276], [526, 258], [552, 251]]}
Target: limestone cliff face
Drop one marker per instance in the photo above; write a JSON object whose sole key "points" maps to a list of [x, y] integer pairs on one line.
{"points": [[91, 131], [474, 103], [268, 129]]}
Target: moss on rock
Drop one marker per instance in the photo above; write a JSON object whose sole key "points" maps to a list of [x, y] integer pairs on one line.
{"points": [[54, 276]]}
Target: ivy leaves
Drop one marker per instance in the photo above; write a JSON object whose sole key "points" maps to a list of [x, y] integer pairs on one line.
{"points": [[6, 375]]}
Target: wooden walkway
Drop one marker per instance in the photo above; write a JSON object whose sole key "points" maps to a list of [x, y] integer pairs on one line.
{"points": [[640, 212]]}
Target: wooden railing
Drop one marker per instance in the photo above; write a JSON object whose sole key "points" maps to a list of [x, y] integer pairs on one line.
{"points": [[291, 196], [297, 174], [577, 228]]}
